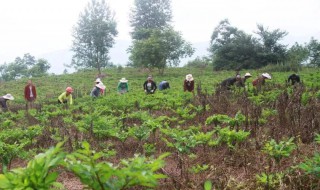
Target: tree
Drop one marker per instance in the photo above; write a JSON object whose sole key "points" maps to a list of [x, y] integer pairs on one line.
{"points": [[155, 43], [93, 36], [231, 48], [163, 48], [149, 14], [314, 52], [199, 62], [298, 54], [271, 51], [39, 69]]}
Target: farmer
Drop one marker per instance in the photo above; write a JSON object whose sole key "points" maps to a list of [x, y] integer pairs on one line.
{"points": [[227, 83], [149, 86], [123, 86], [164, 85], [65, 96], [102, 90], [3, 101], [242, 81], [188, 83], [97, 90], [261, 80], [294, 78], [30, 94]]}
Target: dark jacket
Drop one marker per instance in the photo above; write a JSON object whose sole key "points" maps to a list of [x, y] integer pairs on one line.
{"points": [[3, 103], [227, 83], [188, 85], [152, 88], [294, 79], [95, 92], [27, 92]]}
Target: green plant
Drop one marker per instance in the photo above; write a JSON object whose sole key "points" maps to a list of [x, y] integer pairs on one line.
{"points": [[312, 165], [199, 168], [231, 137], [149, 148], [138, 171], [183, 140], [207, 185], [279, 150], [317, 138], [270, 180], [217, 119], [38, 174]]}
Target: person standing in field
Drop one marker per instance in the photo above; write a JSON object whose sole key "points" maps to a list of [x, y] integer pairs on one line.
{"points": [[294, 78], [3, 101], [123, 86], [149, 86], [164, 85], [188, 83], [30, 94], [66, 96]]}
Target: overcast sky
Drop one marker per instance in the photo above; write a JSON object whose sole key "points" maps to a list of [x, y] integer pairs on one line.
{"points": [[41, 26]]}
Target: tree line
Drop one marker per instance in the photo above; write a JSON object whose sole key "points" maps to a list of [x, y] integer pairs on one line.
{"points": [[231, 48], [26, 66], [155, 44]]}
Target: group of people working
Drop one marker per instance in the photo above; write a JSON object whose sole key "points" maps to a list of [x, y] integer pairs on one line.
{"points": [[149, 86], [257, 83], [30, 95]]}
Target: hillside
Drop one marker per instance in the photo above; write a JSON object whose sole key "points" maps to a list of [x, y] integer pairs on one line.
{"points": [[237, 139]]}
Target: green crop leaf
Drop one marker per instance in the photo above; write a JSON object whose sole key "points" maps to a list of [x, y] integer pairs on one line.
{"points": [[208, 185]]}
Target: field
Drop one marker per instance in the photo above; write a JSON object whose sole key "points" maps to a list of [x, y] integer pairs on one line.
{"points": [[237, 139]]}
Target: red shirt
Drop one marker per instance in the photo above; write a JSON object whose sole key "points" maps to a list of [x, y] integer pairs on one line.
{"points": [[28, 90]]}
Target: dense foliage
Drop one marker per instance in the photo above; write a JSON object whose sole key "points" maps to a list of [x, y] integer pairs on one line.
{"points": [[232, 48], [94, 36]]}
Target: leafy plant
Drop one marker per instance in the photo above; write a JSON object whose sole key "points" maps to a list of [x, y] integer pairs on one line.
{"points": [[317, 138], [217, 119], [199, 168], [270, 180], [231, 137], [138, 171], [279, 150], [311, 166], [207, 185], [38, 174]]}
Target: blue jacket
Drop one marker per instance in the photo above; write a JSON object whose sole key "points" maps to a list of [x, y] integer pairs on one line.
{"points": [[164, 85]]}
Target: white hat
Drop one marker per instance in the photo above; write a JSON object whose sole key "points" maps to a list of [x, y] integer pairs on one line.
{"points": [[8, 96], [189, 77], [123, 80], [248, 75], [101, 86], [266, 75], [98, 80]]}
